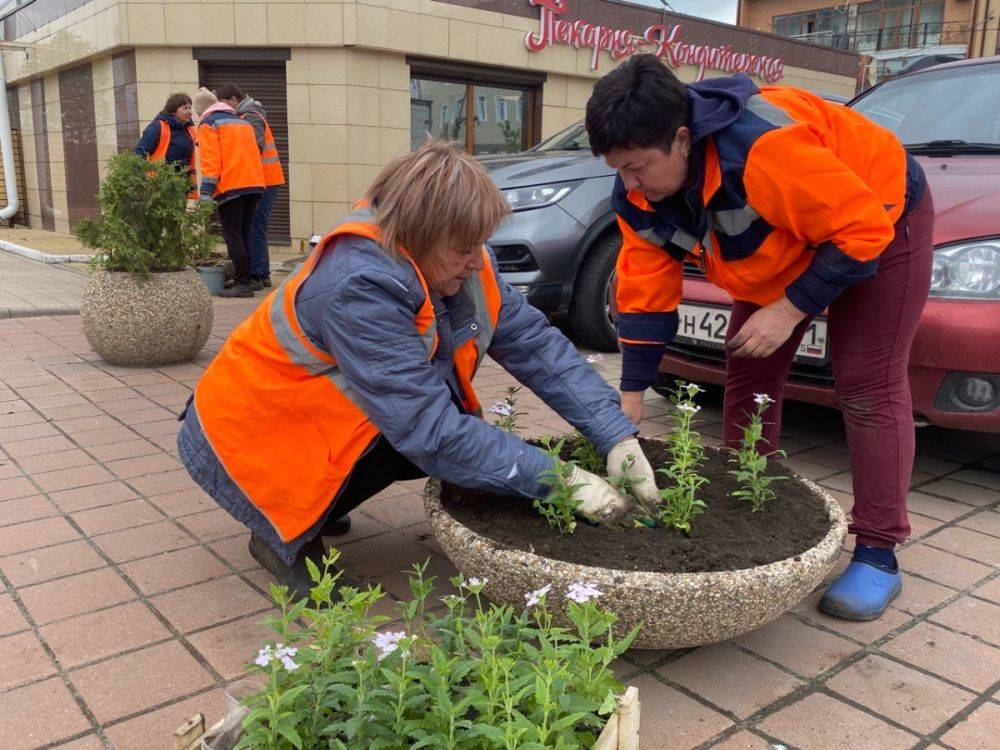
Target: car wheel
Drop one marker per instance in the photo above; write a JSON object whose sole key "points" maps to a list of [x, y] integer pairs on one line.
{"points": [[590, 308]]}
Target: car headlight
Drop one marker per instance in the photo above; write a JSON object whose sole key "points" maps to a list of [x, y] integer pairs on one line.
{"points": [[521, 199], [970, 270]]}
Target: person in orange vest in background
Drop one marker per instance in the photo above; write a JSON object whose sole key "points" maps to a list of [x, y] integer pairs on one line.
{"points": [[232, 175], [794, 206], [253, 112], [171, 137], [357, 372]]}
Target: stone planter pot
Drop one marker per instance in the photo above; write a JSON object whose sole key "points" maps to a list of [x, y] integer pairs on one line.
{"points": [[678, 610], [163, 320]]}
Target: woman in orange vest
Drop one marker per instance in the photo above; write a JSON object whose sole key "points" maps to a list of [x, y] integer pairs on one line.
{"points": [[232, 175], [795, 206], [357, 372], [253, 112], [171, 137]]}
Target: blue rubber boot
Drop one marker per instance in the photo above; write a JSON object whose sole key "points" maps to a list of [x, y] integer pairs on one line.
{"points": [[864, 590]]}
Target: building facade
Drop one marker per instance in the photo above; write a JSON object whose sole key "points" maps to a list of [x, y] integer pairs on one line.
{"points": [[347, 85], [891, 32]]}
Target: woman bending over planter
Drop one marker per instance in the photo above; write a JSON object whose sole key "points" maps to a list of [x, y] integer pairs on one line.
{"points": [[357, 372], [794, 206]]}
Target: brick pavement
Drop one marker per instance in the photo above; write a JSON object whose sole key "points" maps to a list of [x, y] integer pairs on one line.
{"points": [[31, 287], [129, 600]]}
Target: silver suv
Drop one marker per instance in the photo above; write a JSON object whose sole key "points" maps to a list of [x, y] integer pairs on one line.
{"points": [[560, 243]]}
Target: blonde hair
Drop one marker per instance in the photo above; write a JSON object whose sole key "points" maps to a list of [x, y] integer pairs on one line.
{"points": [[434, 197]]}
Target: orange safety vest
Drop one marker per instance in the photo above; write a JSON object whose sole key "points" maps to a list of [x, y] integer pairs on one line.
{"points": [[160, 153], [273, 174], [278, 412]]}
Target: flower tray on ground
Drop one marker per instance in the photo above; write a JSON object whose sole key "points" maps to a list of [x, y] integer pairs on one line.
{"points": [[620, 733], [735, 572]]}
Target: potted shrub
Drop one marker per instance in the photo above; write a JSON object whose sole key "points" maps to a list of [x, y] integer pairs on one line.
{"points": [[737, 541], [144, 305], [467, 674]]}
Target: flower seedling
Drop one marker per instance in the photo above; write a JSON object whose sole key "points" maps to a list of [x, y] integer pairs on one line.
{"points": [[559, 506], [506, 411], [471, 677], [680, 501], [752, 472], [586, 455]]}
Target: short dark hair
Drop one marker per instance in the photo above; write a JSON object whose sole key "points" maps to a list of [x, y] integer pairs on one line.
{"points": [[640, 104], [175, 102], [229, 91]]}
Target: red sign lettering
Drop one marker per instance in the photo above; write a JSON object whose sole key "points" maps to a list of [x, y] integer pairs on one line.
{"points": [[662, 40]]}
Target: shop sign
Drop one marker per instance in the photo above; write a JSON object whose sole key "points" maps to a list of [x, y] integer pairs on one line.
{"points": [[663, 40]]}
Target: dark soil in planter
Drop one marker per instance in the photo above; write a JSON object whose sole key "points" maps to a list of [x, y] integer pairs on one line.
{"points": [[727, 536]]}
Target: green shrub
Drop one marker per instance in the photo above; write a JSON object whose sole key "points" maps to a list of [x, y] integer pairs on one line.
{"points": [[144, 226]]}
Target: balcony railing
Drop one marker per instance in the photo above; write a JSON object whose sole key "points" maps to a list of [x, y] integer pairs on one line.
{"points": [[912, 36]]}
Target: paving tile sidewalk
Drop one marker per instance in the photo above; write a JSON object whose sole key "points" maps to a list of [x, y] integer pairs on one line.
{"points": [[129, 599], [31, 287]]}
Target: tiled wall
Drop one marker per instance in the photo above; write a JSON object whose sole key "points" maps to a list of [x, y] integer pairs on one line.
{"points": [[79, 134], [125, 88], [43, 208]]}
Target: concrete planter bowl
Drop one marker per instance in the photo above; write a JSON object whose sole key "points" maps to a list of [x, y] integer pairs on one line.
{"points": [[678, 610], [163, 320]]}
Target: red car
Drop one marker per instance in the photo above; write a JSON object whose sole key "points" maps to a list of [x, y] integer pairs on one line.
{"points": [[949, 118]]}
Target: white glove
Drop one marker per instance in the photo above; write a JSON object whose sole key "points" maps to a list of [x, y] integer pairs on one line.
{"points": [[628, 453], [599, 501]]}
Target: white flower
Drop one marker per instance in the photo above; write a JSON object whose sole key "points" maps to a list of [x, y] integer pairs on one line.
{"points": [[501, 408], [688, 408], [693, 389], [386, 643], [582, 591], [595, 359], [281, 652], [477, 581], [762, 399], [264, 656], [534, 597]]}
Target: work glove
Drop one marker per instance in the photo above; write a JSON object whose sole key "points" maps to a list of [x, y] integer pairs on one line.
{"points": [[599, 501], [627, 460]]}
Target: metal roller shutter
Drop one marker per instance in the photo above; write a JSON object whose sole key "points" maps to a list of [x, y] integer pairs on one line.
{"points": [[265, 83]]}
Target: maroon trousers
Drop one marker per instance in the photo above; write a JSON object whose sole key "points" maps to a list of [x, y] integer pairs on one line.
{"points": [[870, 329]]}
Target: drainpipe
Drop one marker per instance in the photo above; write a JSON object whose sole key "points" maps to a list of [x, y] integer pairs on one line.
{"points": [[7, 145]]}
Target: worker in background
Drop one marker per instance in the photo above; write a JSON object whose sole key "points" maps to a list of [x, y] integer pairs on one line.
{"points": [[253, 112], [232, 175], [357, 372], [794, 206], [171, 137]]}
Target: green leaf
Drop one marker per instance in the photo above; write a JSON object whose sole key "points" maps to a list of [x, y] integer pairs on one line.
{"points": [[289, 733]]}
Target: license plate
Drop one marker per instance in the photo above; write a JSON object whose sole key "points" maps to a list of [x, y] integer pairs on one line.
{"points": [[705, 326]]}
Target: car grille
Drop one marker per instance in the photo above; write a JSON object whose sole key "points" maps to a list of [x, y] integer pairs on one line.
{"points": [[692, 269], [515, 258], [821, 375]]}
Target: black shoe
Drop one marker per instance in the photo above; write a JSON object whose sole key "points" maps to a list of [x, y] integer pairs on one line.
{"points": [[338, 526], [245, 290], [296, 575], [257, 284], [266, 281]]}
